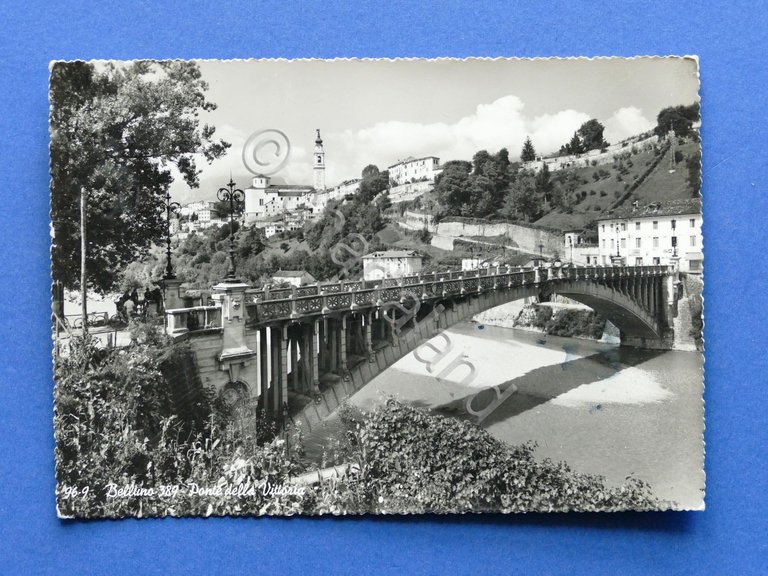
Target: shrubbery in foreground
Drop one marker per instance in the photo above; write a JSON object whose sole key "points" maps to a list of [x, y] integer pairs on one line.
{"points": [[122, 451], [412, 461]]}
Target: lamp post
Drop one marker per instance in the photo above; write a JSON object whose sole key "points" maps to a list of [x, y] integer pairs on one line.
{"points": [[570, 243], [232, 195], [170, 208]]}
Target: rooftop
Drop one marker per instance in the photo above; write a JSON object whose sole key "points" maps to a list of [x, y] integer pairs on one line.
{"points": [[394, 254], [291, 274], [412, 159], [669, 208]]}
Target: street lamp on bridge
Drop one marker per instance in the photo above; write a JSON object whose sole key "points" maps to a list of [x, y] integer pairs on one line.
{"points": [[170, 208], [233, 196]]}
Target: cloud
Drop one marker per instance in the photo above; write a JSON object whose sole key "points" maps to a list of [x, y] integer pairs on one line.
{"points": [[500, 124], [626, 122], [491, 126]]}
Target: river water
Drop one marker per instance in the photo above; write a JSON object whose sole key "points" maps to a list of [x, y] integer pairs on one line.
{"points": [[604, 410]]}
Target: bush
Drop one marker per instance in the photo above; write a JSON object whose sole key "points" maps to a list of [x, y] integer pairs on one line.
{"points": [[603, 193], [411, 461], [115, 423], [578, 323]]}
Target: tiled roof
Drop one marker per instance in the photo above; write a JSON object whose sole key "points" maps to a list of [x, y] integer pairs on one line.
{"points": [[669, 208], [393, 254], [291, 274]]}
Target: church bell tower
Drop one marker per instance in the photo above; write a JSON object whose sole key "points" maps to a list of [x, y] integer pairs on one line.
{"points": [[319, 163]]}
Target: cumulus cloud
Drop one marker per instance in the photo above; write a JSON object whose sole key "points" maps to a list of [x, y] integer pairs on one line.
{"points": [[626, 122], [502, 123]]}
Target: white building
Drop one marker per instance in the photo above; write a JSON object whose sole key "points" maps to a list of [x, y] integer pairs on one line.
{"points": [[293, 277], [391, 264], [321, 198], [653, 234], [196, 207], [264, 200], [578, 251], [414, 169], [273, 228]]}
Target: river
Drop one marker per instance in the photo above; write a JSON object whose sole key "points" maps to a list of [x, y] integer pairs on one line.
{"points": [[603, 409]]}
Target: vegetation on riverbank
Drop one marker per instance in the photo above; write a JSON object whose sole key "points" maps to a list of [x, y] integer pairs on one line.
{"points": [[123, 450]]}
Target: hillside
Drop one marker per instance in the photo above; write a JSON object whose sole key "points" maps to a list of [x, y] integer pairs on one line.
{"points": [[596, 189]]}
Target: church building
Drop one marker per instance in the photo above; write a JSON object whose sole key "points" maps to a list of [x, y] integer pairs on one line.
{"points": [[264, 200]]}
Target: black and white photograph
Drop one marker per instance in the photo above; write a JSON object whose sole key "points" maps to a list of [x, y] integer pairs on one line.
{"points": [[376, 286]]}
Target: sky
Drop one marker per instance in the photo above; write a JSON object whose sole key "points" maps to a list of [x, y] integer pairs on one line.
{"points": [[381, 111]]}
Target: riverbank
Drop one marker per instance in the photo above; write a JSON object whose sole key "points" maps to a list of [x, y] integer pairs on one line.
{"points": [[566, 318], [602, 409]]}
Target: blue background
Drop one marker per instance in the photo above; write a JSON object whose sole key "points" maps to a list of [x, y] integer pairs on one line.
{"points": [[729, 537]]}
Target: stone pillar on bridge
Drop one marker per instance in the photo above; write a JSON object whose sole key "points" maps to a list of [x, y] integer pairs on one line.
{"points": [[171, 297], [235, 354], [314, 347], [343, 347], [368, 329], [333, 347], [294, 366]]}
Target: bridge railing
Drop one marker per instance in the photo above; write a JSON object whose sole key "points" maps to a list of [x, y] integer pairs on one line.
{"points": [[181, 320], [291, 303]]}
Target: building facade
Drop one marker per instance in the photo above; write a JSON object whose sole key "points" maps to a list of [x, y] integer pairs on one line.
{"points": [[414, 169], [654, 234], [391, 264], [293, 277]]}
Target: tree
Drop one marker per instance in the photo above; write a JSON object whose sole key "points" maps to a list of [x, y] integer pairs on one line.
{"points": [[373, 183], [452, 187], [479, 160], [221, 208], [694, 173], [588, 137], [678, 118], [529, 152], [522, 201], [544, 184], [591, 136], [117, 134]]}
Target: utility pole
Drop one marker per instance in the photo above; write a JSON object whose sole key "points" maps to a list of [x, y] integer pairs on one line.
{"points": [[83, 274]]}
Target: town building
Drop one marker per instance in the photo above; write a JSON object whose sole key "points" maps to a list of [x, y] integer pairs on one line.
{"points": [[414, 169], [273, 228], [196, 207], [657, 233], [391, 264], [578, 251], [264, 200], [293, 277]]}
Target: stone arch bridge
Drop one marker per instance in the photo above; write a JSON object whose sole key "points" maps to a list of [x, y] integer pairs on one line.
{"points": [[298, 352]]}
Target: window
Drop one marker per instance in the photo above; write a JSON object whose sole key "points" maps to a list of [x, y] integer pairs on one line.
{"points": [[623, 226], [655, 241], [693, 222], [637, 225], [603, 242], [612, 243], [603, 227], [638, 244], [674, 241], [694, 265], [605, 259], [693, 240], [638, 261], [656, 261], [655, 224], [623, 242], [587, 259]]}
